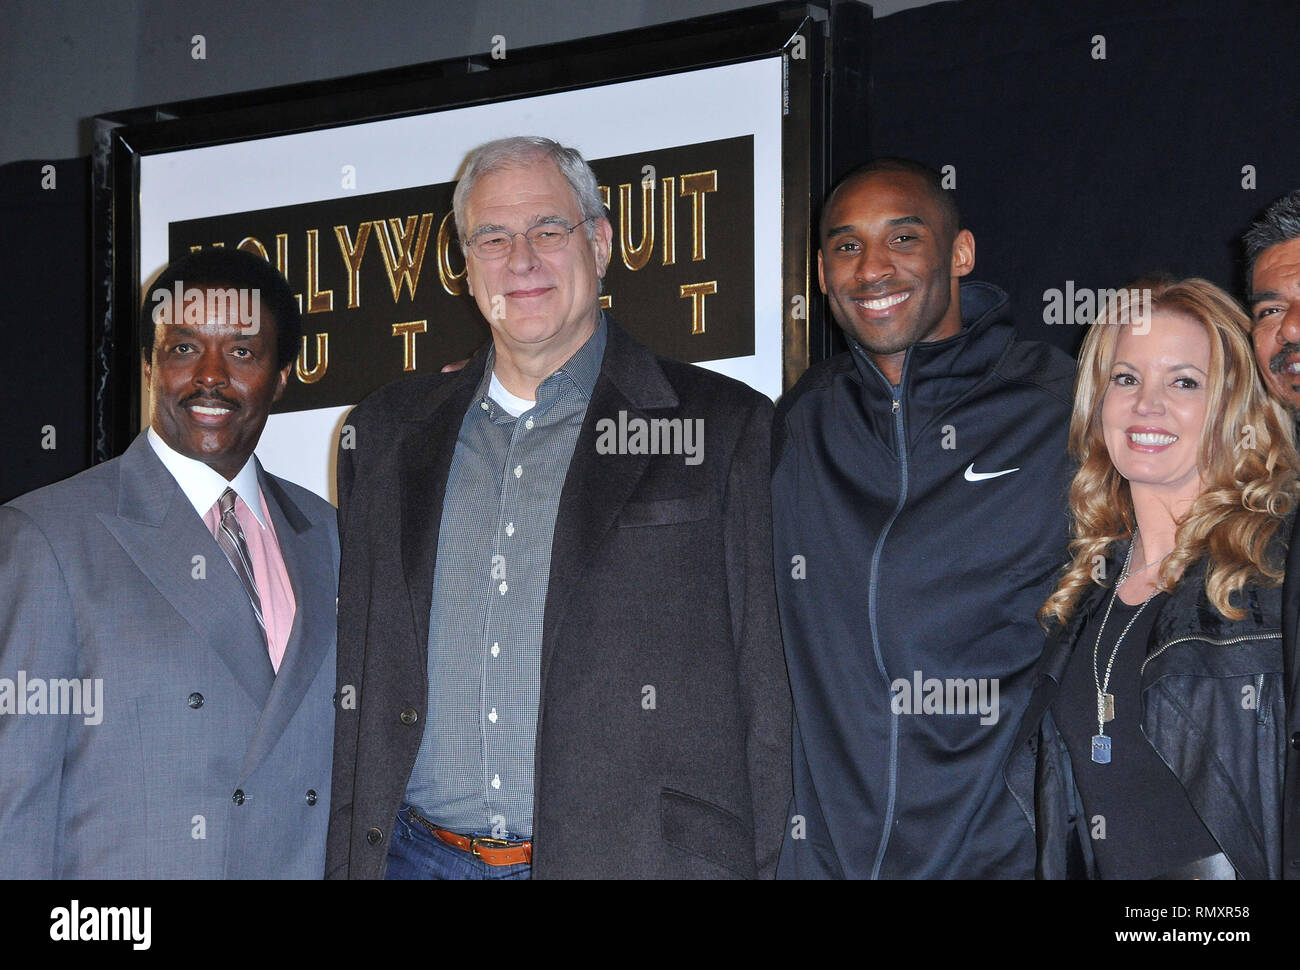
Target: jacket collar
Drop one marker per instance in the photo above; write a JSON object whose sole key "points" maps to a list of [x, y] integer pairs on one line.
{"points": [[1187, 612], [938, 374], [634, 371], [630, 366]]}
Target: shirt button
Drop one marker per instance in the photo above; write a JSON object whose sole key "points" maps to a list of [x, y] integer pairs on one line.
{"points": [[510, 528], [238, 796], [503, 587], [519, 470], [492, 715], [483, 404], [311, 796], [195, 700], [496, 781], [529, 424], [496, 649]]}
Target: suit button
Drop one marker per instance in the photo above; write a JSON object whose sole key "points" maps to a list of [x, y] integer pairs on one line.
{"points": [[374, 836], [238, 796], [195, 700], [311, 796], [409, 716], [1295, 740]]}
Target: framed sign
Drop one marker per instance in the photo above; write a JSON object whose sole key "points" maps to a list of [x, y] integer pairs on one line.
{"points": [[708, 164]]}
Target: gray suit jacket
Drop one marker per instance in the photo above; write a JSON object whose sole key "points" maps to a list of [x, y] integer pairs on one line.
{"points": [[200, 761]]}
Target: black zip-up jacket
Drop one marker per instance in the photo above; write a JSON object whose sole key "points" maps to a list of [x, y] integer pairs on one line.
{"points": [[917, 531], [1213, 708]]}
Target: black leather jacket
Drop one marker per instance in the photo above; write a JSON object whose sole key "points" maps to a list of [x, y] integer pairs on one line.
{"points": [[1213, 708]]}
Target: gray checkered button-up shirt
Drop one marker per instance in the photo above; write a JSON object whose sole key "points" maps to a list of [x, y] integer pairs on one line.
{"points": [[474, 771]]}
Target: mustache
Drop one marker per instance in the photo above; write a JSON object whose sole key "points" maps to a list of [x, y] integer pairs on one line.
{"points": [[198, 397], [1277, 362]]}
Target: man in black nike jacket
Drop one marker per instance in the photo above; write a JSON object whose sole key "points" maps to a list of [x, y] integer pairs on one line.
{"points": [[919, 498]]}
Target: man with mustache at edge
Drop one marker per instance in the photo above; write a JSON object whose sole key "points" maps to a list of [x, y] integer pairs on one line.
{"points": [[1273, 299]]}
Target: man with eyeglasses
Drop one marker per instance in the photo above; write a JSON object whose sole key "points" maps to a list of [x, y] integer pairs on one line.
{"points": [[564, 646]]}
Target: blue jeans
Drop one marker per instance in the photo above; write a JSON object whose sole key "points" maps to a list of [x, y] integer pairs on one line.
{"points": [[415, 853]]}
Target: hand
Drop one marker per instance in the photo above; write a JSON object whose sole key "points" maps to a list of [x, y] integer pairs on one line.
{"points": [[454, 366]]}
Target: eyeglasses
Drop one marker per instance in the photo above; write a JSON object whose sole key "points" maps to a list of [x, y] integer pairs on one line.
{"points": [[545, 237]]}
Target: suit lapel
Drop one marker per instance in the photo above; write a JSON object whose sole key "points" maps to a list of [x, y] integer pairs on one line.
{"points": [[424, 462], [309, 561], [158, 528], [598, 486]]}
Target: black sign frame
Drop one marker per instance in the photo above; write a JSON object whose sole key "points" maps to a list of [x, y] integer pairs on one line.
{"points": [[824, 50]]}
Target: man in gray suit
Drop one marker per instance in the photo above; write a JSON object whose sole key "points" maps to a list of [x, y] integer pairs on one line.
{"points": [[168, 629]]}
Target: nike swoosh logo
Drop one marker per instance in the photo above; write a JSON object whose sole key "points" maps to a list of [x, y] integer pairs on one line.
{"points": [[973, 476]]}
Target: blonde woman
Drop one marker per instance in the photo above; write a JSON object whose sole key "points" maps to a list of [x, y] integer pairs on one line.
{"points": [[1153, 746]]}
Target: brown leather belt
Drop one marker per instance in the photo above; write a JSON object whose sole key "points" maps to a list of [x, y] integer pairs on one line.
{"points": [[495, 852]]}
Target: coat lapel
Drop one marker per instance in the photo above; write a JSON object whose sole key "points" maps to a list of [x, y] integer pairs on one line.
{"points": [[158, 528], [424, 462], [309, 561], [598, 486]]}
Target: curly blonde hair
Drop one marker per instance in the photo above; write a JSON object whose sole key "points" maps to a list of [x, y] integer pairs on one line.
{"points": [[1246, 457]]}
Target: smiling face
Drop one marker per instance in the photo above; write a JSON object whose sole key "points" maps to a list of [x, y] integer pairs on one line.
{"points": [[212, 385], [1155, 404], [889, 267], [1275, 313], [537, 304]]}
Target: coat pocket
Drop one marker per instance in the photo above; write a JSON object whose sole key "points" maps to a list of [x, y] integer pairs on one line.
{"points": [[707, 831], [667, 511]]}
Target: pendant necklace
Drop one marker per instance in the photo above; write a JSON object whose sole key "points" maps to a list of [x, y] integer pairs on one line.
{"points": [[1105, 700]]}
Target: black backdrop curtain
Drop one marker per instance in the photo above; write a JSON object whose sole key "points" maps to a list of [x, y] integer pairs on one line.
{"points": [[1074, 167], [44, 322], [1070, 166]]}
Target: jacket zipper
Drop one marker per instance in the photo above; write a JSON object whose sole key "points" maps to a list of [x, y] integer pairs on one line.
{"points": [[872, 588], [1218, 643]]}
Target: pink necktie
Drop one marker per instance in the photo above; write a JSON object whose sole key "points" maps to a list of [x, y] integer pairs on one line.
{"points": [[230, 537]]}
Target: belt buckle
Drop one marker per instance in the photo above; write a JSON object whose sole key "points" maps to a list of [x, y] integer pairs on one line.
{"points": [[476, 841]]}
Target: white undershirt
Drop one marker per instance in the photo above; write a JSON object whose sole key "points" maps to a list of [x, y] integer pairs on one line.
{"points": [[513, 406]]}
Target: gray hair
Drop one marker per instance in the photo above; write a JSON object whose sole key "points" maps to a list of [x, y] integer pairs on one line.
{"points": [[1281, 223], [520, 150]]}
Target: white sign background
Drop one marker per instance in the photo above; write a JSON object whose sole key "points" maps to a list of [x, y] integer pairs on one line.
{"points": [[612, 119]]}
